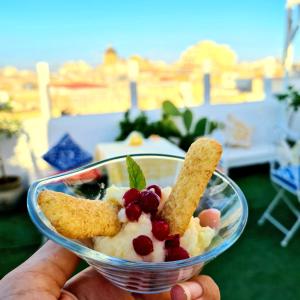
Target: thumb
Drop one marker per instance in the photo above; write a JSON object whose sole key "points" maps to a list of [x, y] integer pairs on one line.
{"points": [[89, 284], [198, 288], [210, 289]]}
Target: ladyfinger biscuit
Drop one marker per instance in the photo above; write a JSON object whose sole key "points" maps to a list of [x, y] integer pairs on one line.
{"points": [[79, 218], [200, 162]]}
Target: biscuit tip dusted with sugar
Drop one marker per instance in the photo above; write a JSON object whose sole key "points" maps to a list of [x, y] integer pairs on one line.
{"points": [[79, 218], [200, 162]]}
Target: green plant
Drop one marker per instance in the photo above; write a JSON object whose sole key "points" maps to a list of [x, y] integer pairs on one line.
{"points": [[291, 97], [2, 169], [292, 100], [8, 128], [202, 126], [8, 125], [127, 126], [167, 126]]}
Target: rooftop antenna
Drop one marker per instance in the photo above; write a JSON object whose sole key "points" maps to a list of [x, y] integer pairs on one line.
{"points": [[292, 27]]}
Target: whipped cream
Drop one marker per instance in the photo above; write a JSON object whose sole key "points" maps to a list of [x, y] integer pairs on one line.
{"points": [[195, 239]]}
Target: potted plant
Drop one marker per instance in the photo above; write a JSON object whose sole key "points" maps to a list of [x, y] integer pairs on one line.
{"points": [[11, 186], [175, 125], [292, 100]]}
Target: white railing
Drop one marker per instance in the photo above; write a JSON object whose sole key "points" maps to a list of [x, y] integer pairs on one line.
{"points": [[209, 94]]}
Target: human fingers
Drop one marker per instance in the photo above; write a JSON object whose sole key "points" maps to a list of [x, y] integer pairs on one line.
{"points": [[160, 296], [199, 288], [210, 217], [89, 284], [52, 260], [44, 273]]}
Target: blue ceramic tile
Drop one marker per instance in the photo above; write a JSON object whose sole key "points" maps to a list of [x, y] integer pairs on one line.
{"points": [[67, 154]]}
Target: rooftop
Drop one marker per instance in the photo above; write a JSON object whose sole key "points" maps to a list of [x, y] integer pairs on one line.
{"points": [[267, 268]]}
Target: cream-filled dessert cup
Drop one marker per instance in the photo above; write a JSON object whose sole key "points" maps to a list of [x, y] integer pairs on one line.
{"points": [[145, 276]]}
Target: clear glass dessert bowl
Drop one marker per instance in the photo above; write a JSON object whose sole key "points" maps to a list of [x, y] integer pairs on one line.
{"points": [[142, 277]]}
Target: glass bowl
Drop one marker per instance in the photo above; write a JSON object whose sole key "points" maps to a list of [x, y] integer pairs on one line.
{"points": [[143, 277]]}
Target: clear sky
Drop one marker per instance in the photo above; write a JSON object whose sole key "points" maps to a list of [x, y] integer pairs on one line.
{"points": [[61, 30]]}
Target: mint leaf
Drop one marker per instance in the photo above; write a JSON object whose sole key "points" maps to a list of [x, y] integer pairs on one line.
{"points": [[136, 177]]}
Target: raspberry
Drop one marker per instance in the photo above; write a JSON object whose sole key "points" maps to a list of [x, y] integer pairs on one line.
{"points": [[133, 211], [149, 201], [172, 241], [132, 195], [155, 217], [177, 253], [142, 245], [160, 229], [156, 189]]}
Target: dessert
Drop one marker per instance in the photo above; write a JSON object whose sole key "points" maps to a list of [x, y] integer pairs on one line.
{"points": [[143, 223], [143, 229], [200, 162], [79, 218]]}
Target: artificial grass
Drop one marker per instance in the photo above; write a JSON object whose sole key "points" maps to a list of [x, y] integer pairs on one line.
{"points": [[256, 267], [18, 239]]}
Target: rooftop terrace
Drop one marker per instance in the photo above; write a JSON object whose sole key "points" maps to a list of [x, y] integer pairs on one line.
{"points": [[267, 268]]}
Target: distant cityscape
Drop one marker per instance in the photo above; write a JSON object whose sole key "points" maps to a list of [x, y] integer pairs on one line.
{"points": [[79, 88]]}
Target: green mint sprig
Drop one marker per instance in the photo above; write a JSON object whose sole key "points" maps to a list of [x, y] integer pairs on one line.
{"points": [[136, 177]]}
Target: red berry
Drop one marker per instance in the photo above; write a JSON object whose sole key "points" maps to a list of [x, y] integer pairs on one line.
{"points": [[160, 229], [133, 211], [142, 245], [172, 241], [177, 253], [155, 217], [132, 195], [149, 201], [156, 189]]}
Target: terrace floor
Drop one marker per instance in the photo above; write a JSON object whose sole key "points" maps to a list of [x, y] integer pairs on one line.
{"points": [[256, 267]]}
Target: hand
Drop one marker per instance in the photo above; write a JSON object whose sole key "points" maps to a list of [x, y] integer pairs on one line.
{"points": [[45, 276]]}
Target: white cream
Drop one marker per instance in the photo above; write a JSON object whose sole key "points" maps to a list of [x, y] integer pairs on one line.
{"points": [[121, 246], [165, 193], [195, 239], [115, 192], [122, 216]]}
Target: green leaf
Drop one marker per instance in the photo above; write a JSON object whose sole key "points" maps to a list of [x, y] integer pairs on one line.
{"points": [[200, 127], [170, 127], [170, 109], [282, 97], [186, 141], [211, 126], [136, 177], [291, 97], [187, 119]]}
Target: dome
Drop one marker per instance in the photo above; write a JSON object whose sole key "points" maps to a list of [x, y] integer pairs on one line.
{"points": [[110, 50], [110, 56]]}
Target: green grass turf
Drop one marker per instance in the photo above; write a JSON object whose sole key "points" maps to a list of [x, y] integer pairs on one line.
{"points": [[256, 267]]}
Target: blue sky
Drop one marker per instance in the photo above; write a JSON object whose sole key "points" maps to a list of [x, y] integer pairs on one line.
{"points": [[58, 30]]}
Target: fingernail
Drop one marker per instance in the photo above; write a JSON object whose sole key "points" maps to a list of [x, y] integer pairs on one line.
{"points": [[186, 291], [210, 217], [66, 295]]}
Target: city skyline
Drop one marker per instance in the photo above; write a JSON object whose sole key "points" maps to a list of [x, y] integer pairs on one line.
{"points": [[58, 32]]}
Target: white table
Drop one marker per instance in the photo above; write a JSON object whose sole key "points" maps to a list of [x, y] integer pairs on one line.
{"points": [[155, 145], [155, 172]]}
